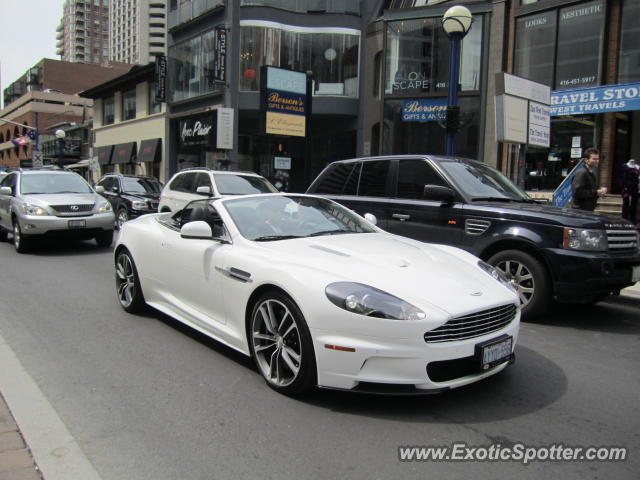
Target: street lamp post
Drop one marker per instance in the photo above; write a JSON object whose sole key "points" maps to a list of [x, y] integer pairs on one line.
{"points": [[60, 134], [456, 22]]}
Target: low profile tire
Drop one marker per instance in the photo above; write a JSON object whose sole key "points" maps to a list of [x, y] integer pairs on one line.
{"points": [[530, 278], [105, 239], [21, 243], [128, 286], [281, 344], [121, 217]]}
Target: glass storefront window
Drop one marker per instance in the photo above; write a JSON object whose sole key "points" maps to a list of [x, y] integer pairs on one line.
{"points": [[412, 137], [629, 61], [579, 54], [535, 46], [329, 6], [191, 67], [417, 60], [331, 54]]}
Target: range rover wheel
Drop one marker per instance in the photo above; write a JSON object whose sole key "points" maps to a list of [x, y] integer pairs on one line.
{"points": [[122, 217], [281, 344], [530, 278], [20, 241], [128, 285]]}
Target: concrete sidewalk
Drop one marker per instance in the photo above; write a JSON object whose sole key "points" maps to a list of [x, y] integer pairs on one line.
{"points": [[16, 461]]}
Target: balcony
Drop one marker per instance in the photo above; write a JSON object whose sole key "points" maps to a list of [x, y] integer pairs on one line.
{"points": [[72, 148], [192, 9]]}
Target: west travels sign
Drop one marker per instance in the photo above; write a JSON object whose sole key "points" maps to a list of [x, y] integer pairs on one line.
{"points": [[610, 98]]}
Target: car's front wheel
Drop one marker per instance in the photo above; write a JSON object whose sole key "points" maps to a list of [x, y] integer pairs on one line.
{"points": [[105, 239], [20, 242], [128, 285], [122, 217], [530, 278], [281, 344]]}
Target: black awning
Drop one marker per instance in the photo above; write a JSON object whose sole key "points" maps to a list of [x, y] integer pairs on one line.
{"points": [[149, 150], [123, 152], [104, 154]]}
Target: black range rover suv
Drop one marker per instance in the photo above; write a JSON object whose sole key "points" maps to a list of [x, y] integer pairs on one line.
{"points": [[548, 252], [130, 195]]}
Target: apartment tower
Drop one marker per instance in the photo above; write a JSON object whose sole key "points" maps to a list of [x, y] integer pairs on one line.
{"points": [[83, 33]]}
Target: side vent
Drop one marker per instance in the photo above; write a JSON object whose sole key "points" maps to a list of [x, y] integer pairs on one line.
{"points": [[473, 226]]}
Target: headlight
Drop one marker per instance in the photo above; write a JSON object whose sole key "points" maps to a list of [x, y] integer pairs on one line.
{"points": [[139, 205], [371, 302], [583, 239], [497, 274], [104, 207], [34, 210]]}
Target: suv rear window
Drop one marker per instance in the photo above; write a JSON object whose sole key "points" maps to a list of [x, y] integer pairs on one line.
{"points": [[242, 184], [373, 179]]}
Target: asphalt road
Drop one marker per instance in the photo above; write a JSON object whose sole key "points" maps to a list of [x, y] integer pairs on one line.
{"points": [[147, 398]]}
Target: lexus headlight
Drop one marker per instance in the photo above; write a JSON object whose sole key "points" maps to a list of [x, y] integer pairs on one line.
{"points": [[371, 302], [34, 210], [583, 239], [497, 274], [139, 205], [104, 207]]}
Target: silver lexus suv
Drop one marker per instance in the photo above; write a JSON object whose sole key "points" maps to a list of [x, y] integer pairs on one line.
{"points": [[52, 203]]}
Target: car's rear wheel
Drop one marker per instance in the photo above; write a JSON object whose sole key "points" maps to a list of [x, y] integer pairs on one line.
{"points": [[529, 277], [128, 285], [21, 243], [104, 239], [122, 217], [281, 344]]}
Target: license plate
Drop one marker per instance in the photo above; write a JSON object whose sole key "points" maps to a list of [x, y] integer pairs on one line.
{"points": [[635, 274], [494, 351], [77, 223]]}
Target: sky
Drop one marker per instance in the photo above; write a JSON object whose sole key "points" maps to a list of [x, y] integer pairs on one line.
{"points": [[27, 35]]}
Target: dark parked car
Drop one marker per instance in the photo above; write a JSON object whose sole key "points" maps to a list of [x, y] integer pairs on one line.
{"points": [[548, 252], [130, 195]]}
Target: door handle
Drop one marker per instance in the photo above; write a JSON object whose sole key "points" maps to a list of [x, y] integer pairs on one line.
{"points": [[401, 217]]}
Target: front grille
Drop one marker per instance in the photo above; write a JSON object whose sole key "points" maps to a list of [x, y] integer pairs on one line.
{"points": [[154, 205], [622, 240], [472, 325], [473, 226], [70, 208]]}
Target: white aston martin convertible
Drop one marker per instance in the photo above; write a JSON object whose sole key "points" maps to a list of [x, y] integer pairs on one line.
{"points": [[318, 295]]}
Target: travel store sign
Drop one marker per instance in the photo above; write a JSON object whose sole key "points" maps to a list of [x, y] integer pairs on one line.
{"points": [[610, 98], [284, 101], [197, 130]]}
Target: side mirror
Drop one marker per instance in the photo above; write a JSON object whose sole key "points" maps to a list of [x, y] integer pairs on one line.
{"points": [[371, 218], [99, 189], [203, 190], [437, 192], [5, 191], [197, 230]]}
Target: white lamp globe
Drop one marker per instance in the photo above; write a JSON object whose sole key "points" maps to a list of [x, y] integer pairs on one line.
{"points": [[60, 133], [457, 20]]}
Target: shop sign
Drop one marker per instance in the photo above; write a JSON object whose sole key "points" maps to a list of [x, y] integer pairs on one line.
{"points": [[160, 73], [284, 101], [282, 163], [224, 134], [197, 130], [410, 81], [424, 110], [220, 56], [511, 119], [562, 195], [610, 98], [539, 125]]}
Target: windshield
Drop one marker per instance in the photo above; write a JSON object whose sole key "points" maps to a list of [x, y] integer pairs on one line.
{"points": [[480, 181], [242, 184], [141, 185], [279, 217], [34, 183]]}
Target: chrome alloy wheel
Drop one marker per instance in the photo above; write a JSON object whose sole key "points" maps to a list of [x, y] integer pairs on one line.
{"points": [[126, 280], [521, 277], [17, 236], [122, 217], [276, 342]]}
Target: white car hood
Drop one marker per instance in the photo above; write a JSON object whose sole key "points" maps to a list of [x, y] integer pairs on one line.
{"points": [[414, 271], [46, 199]]}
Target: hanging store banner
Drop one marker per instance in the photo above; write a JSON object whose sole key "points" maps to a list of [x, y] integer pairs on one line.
{"points": [[284, 101], [424, 110], [160, 73], [610, 98], [220, 56]]}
